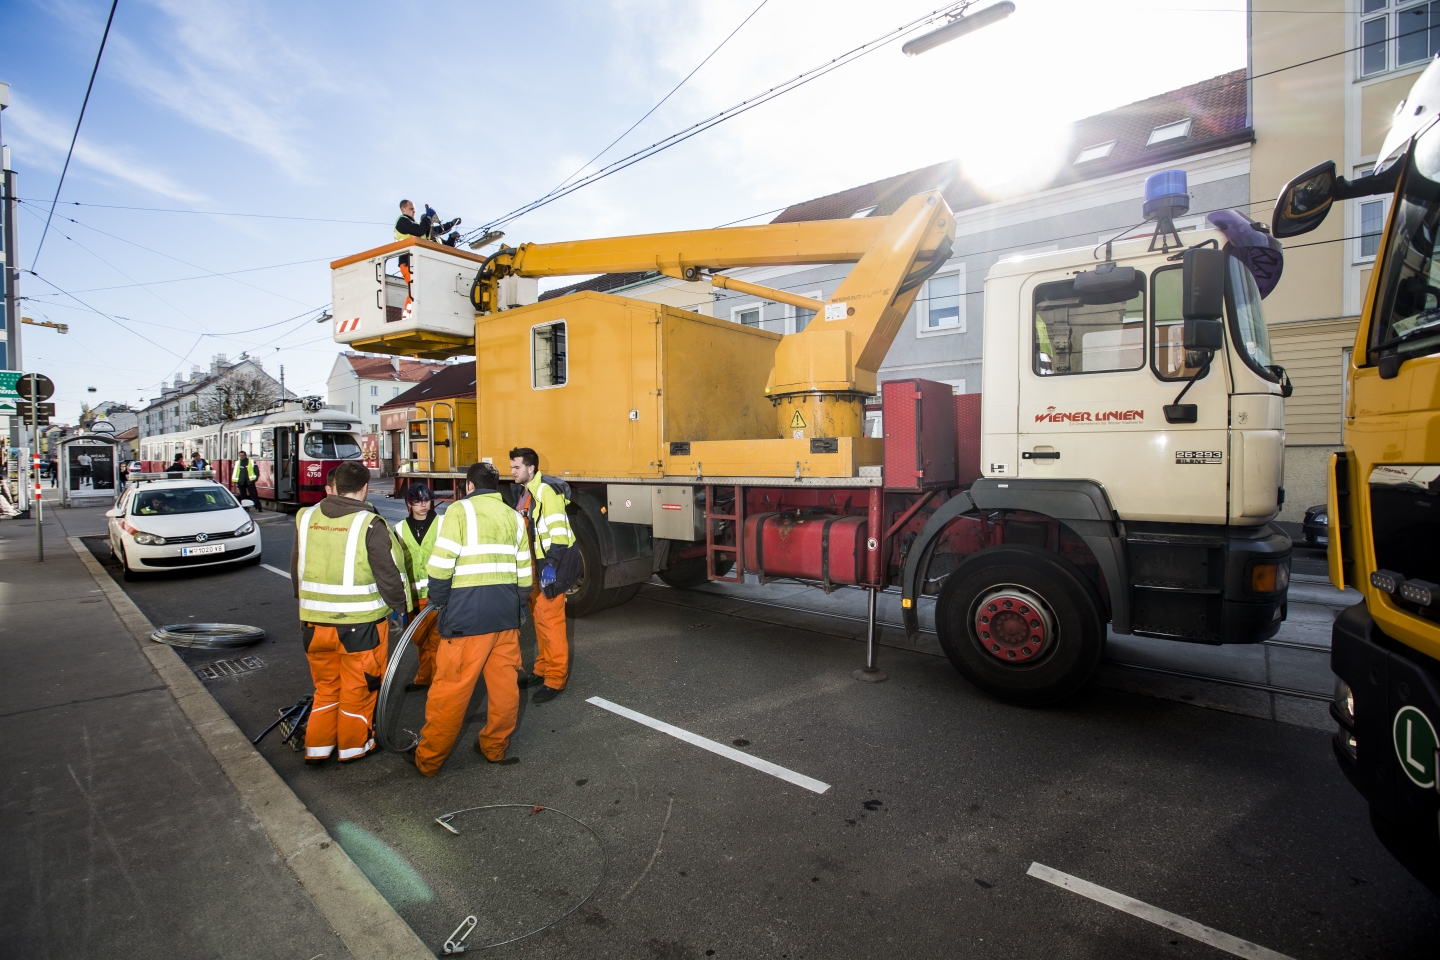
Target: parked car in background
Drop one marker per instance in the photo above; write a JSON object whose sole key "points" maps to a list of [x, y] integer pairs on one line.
{"points": [[1317, 525]]}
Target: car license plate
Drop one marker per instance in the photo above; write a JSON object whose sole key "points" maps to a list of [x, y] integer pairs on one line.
{"points": [[200, 551]]}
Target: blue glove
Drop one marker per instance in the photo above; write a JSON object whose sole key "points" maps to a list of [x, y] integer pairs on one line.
{"points": [[430, 212], [547, 576]]}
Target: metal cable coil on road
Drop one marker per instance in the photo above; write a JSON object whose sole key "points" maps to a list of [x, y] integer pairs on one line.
{"points": [[211, 636]]}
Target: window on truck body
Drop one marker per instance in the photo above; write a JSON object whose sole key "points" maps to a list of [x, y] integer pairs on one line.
{"points": [[549, 356], [1068, 337], [1168, 358]]}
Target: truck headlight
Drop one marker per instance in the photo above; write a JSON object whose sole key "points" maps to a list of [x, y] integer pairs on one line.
{"points": [[1272, 576], [1421, 592], [1344, 702]]}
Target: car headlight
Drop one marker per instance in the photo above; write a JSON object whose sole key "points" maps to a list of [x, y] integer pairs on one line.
{"points": [[247, 527], [145, 539]]}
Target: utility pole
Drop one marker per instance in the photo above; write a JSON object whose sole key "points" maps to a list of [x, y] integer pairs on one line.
{"points": [[8, 240]]}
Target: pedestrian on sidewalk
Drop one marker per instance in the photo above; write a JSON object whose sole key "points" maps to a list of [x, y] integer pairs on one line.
{"points": [[478, 573], [54, 464], [346, 595], [548, 531]]}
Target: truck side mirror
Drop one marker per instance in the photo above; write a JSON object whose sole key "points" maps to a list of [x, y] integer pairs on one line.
{"points": [[1304, 202], [1203, 287], [1204, 335]]}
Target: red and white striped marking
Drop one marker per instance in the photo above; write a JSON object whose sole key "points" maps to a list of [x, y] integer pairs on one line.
{"points": [[347, 326]]}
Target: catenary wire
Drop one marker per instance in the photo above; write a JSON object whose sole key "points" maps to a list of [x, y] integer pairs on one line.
{"points": [[728, 113], [76, 135], [662, 99], [211, 213]]}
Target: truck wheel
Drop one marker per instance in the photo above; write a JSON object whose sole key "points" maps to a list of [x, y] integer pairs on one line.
{"points": [[589, 594], [1021, 624], [625, 594]]}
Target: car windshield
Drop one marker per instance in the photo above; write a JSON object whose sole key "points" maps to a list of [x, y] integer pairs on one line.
{"points": [[1408, 319], [1248, 320], [173, 500], [331, 446]]}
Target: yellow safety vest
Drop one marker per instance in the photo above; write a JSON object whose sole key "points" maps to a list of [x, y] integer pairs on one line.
{"points": [[336, 582], [482, 542], [235, 474], [417, 555]]}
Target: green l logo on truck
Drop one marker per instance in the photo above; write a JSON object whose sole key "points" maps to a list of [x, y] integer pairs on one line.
{"points": [[1415, 744]]}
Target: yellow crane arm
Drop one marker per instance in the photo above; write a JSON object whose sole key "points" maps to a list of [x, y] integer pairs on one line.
{"points": [[842, 350]]}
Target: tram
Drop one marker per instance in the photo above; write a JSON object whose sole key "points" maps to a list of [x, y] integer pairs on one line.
{"points": [[292, 450]]}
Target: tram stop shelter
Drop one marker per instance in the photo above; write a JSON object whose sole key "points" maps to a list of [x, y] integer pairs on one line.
{"points": [[89, 469]]}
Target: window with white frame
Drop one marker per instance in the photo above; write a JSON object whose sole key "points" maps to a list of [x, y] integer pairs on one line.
{"points": [[1097, 152], [374, 391], [1369, 224], [800, 317], [1400, 33], [1169, 131], [749, 315], [940, 308]]}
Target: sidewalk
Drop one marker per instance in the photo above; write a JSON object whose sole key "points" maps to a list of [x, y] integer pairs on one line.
{"points": [[128, 815]]}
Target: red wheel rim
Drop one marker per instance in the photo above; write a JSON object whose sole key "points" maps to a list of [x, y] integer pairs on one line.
{"points": [[1011, 627]]}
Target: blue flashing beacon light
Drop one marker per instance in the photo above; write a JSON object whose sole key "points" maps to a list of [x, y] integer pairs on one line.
{"points": [[1167, 196]]}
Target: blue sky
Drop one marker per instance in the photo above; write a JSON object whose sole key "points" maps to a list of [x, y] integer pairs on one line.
{"points": [[333, 111]]}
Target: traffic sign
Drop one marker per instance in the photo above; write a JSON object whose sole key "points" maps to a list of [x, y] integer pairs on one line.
{"points": [[1415, 744], [43, 386], [8, 379], [22, 409]]}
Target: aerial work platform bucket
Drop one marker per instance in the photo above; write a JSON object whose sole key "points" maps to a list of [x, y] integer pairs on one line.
{"points": [[410, 298]]}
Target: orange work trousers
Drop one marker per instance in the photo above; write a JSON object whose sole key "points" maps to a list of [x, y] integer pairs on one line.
{"points": [[343, 712], [552, 644], [459, 662], [425, 648]]}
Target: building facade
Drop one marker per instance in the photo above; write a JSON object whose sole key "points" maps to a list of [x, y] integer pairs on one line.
{"points": [[181, 402], [361, 384], [1357, 60]]}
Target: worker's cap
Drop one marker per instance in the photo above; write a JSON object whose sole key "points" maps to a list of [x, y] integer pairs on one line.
{"points": [[418, 493]]}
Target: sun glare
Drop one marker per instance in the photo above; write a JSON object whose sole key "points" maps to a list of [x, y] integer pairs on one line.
{"points": [[1010, 148]]}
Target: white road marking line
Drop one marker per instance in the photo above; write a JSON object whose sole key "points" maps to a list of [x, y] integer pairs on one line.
{"points": [[730, 753], [283, 573], [1170, 921]]}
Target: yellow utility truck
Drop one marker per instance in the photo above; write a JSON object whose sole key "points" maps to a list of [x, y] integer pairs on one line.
{"points": [[1384, 501], [1083, 492]]}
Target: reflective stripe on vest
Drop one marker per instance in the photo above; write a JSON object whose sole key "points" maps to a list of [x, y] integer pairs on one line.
{"points": [[336, 583], [250, 469], [547, 514], [474, 563]]}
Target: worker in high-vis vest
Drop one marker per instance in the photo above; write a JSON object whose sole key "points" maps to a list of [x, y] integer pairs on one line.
{"points": [[243, 476], [347, 571], [479, 573], [548, 528], [417, 533]]}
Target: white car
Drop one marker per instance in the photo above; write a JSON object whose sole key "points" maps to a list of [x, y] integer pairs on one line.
{"points": [[163, 525]]}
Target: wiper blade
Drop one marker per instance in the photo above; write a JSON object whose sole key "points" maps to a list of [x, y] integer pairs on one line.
{"points": [[1427, 326]]}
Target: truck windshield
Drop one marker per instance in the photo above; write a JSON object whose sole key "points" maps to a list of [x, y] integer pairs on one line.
{"points": [[1247, 321], [1408, 320]]}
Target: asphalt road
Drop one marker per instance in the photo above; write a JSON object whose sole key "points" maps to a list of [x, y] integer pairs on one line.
{"points": [[939, 800]]}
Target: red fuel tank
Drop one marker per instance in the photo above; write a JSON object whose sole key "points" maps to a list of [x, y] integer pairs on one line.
{"points": [[821, 547]]}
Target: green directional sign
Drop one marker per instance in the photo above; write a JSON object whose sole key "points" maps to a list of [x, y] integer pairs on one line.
{"points": [[1415, 744], [8, 380]]}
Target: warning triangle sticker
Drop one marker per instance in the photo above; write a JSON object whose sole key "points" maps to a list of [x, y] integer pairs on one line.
{"points": [[797, 422]]}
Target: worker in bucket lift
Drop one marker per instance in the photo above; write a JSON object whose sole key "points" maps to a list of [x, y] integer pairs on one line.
{"points": [[543, 508], [478, 573], [427, 227], [346, 568], [417, 534]]}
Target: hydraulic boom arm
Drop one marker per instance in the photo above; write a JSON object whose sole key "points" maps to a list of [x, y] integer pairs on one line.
{"points": [[839, 354]]}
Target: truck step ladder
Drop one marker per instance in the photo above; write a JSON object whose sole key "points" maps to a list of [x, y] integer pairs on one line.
{"points": [[716, 549]]}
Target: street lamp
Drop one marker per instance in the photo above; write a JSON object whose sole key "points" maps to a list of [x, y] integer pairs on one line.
{"points": [[958, 28]]}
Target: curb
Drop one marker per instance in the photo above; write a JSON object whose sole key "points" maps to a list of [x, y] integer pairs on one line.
{"points": [[365, 922]]}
